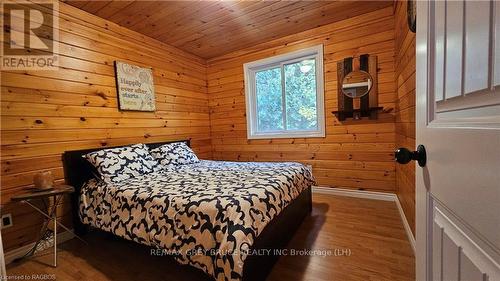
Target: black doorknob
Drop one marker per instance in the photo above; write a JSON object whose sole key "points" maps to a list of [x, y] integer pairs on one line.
{"points": [[404, 156]]}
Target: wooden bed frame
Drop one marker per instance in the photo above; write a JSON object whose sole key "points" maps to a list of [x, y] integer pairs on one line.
{"points": [[275, 235]]}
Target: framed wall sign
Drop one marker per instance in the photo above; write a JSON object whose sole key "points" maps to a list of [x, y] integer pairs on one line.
{"points": [[135, 87]]}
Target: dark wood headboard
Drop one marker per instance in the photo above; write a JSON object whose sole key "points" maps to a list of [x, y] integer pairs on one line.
{"points": [[77, 171]]}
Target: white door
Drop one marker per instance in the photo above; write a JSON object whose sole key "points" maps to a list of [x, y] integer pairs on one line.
{"points": [[458, 122]]}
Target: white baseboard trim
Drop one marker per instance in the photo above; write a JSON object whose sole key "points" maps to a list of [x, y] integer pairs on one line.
{"points": [[21, 251], [375, 196], [406, 225], [354, 193]]}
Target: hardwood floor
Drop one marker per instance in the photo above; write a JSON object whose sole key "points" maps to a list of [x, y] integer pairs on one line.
{"points": [[370, 230]]}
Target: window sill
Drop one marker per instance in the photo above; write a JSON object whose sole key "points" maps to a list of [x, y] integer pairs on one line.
{"points": [[287, 136]]}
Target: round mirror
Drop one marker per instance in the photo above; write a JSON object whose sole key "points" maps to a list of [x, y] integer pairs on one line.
{"points": [[357, 84]]}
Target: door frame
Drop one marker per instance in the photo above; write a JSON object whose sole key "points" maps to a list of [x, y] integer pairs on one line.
{"points": [[422, 200]]}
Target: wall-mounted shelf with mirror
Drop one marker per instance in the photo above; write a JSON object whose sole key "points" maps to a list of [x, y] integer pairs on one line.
{"points": [[357, 91]]}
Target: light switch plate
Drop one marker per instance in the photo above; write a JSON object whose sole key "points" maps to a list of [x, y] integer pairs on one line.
{"points": [[6, 221]]}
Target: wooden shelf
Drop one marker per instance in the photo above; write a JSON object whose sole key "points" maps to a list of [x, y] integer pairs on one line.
{"points": [[357, 114]]}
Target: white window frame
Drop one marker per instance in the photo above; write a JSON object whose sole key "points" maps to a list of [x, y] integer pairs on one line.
{"points": [[250, 70]]}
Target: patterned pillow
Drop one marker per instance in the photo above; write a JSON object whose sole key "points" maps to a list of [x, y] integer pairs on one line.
{"points": [[173, 154], [121, 163]]}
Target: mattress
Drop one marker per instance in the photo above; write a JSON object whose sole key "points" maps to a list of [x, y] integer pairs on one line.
{"points": [[207, 214]]}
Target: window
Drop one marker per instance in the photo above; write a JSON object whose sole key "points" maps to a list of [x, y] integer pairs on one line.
{"points": [[284, 95]]}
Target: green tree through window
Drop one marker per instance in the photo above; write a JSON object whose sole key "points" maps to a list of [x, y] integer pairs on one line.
{"points": [[269, 100], [285, 95], [298, 95]]}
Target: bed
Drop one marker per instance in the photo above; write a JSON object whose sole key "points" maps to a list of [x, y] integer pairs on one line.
{"points": [[216, 216]]}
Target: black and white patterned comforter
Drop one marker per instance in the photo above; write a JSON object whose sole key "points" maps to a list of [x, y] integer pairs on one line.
{"points": [[206, 214]]}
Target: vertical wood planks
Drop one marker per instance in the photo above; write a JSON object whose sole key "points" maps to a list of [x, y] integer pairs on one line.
{"points": [[454, 48], [439, 48], [477, 46]]}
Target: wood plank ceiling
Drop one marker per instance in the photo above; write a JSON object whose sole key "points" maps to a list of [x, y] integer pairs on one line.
{"points": [[213, 28]]}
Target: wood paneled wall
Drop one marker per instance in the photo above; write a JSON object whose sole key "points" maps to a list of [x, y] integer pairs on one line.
{"points": [[354, 154], [405, 109], [45, 113]]}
